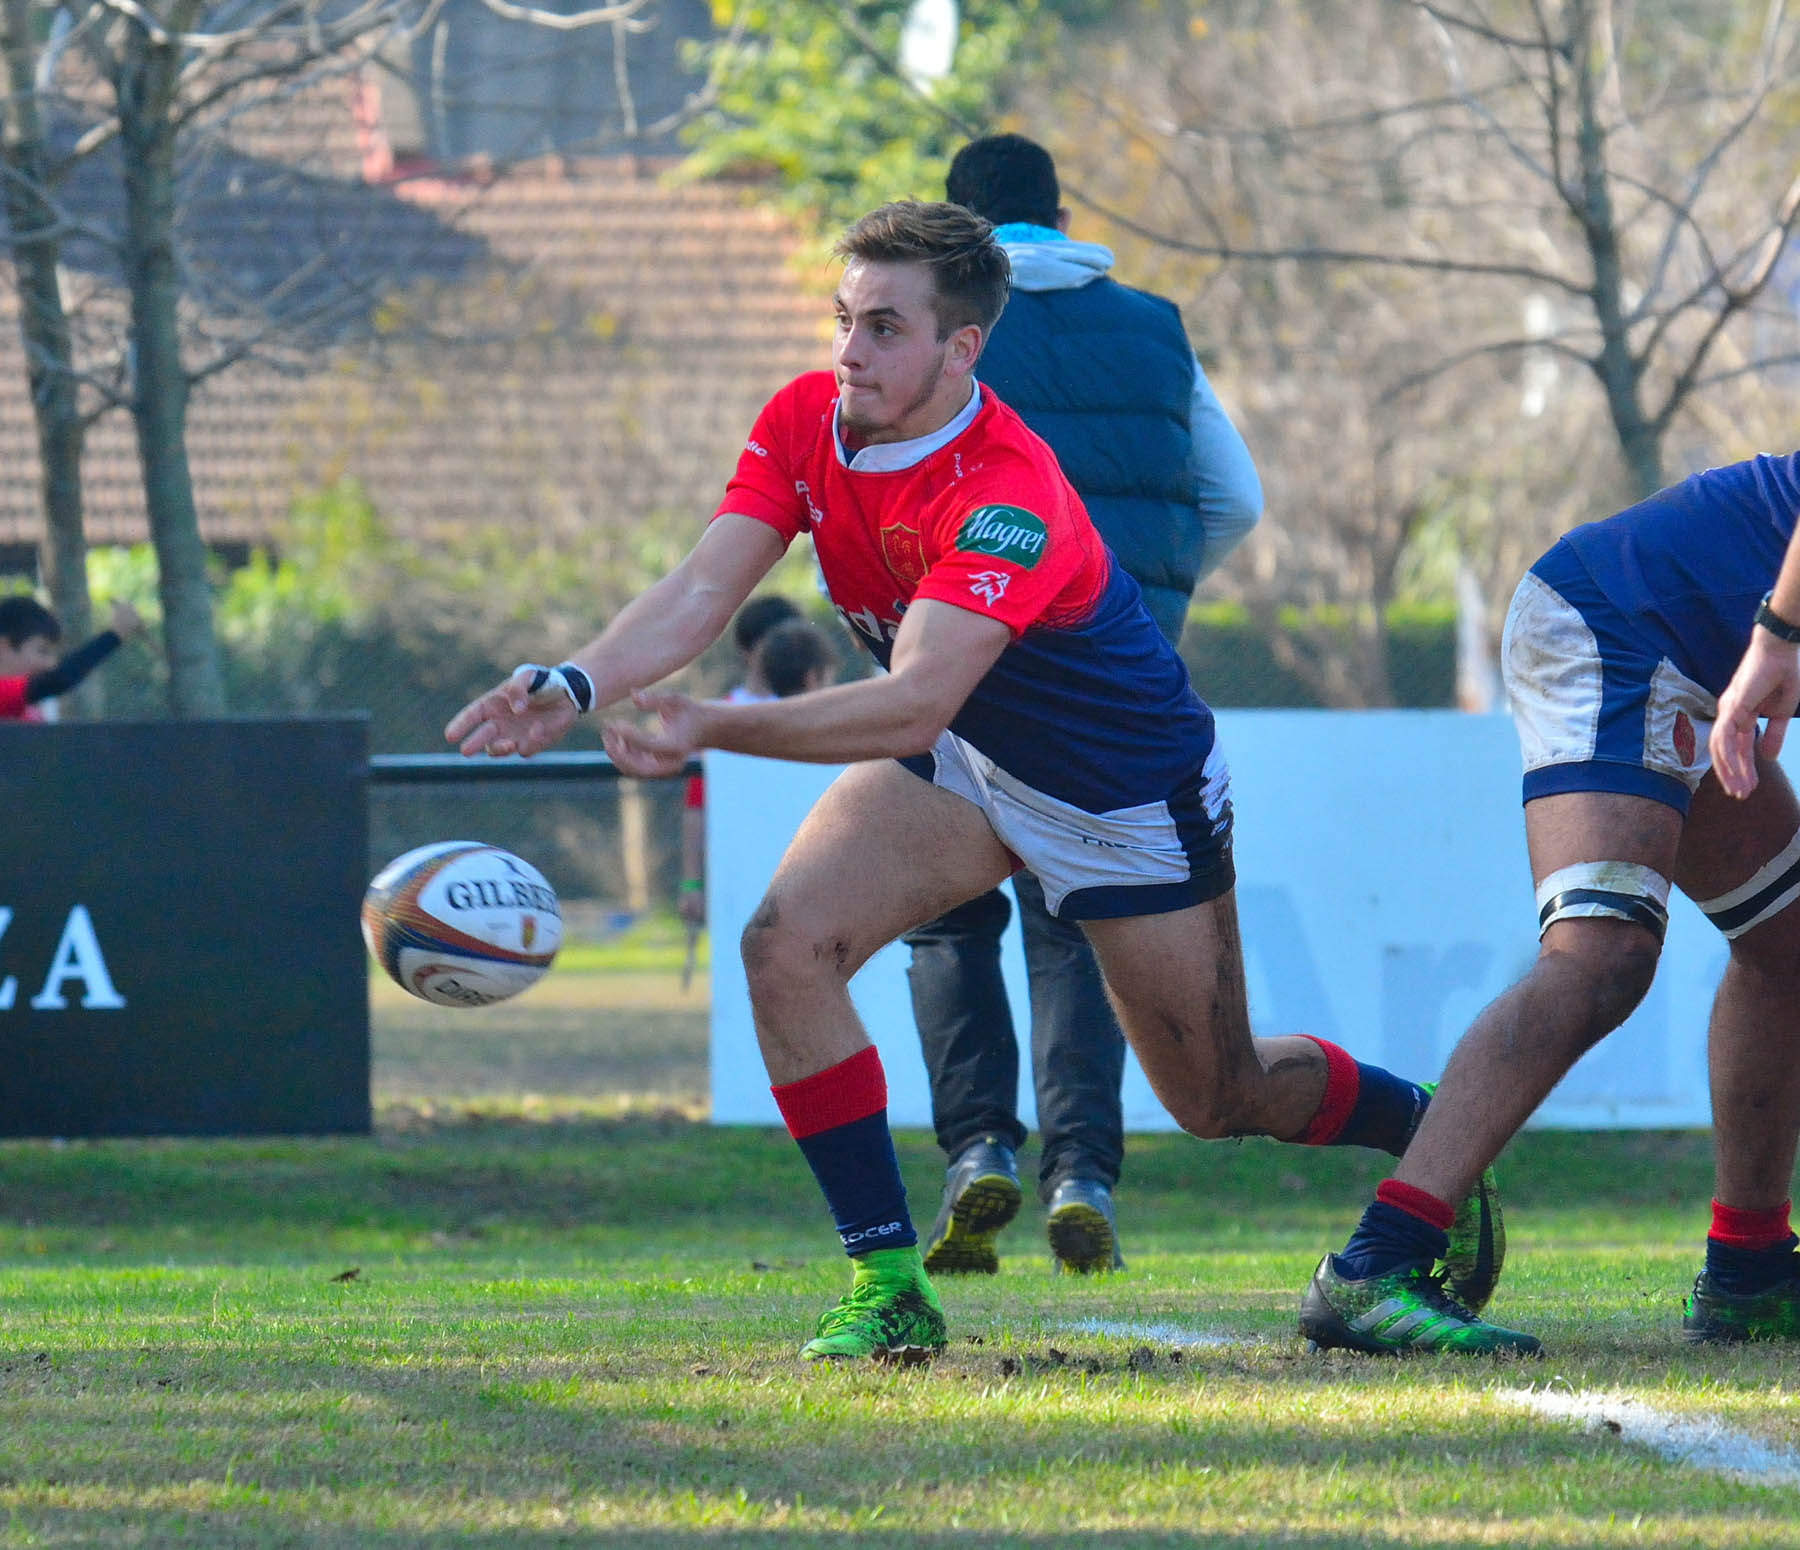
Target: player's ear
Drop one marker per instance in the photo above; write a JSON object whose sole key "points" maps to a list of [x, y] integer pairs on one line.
{"points": [[964, 348]]}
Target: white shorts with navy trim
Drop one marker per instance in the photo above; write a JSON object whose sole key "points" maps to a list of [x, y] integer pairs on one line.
{"points": [[1598, 704], [1148, 859]]}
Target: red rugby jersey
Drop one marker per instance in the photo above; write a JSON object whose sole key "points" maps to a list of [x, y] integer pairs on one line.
{"points": [[986, 522]]}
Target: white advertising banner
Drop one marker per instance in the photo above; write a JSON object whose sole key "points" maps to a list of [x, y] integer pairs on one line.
{"points": [[1384, 896]]}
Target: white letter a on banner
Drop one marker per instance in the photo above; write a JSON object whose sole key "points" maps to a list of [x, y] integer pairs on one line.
{"points": [[78, 956]]}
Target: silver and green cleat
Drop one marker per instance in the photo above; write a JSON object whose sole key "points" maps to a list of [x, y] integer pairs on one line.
{"points": [[1398, 1313]]}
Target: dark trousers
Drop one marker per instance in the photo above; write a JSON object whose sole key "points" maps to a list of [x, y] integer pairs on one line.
{"points": [[971, 1052]]}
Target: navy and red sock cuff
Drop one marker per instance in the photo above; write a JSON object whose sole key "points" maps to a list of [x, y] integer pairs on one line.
{"points": [[853, 1089]]}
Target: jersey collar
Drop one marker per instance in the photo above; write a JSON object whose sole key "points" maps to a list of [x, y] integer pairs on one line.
{"points": [[889, 457]]}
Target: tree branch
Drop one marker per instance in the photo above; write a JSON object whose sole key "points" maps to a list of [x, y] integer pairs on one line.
{"points": [[1225, 253]]}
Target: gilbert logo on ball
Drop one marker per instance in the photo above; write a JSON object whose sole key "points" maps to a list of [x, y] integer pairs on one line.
{"points": [[461, 923]]}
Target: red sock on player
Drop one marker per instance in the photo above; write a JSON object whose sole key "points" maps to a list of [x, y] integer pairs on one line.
{"points": [[1416, 1202], [1752, 1231]]}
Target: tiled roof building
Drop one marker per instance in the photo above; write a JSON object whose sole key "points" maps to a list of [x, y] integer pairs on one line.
{"points": [[577, 336]]}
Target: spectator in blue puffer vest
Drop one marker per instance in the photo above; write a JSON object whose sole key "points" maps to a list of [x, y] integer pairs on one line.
{"points": [[1106, 375]]}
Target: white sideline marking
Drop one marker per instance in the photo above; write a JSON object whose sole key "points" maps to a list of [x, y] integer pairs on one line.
{"points": [[1167, 1334], [1701, 1442]]}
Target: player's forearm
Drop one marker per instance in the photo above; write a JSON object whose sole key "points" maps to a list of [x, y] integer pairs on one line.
{"points": [[877, 718], [658, 633]]}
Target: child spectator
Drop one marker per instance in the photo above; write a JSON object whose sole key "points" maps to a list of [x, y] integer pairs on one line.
{"points": [[30, 672]]}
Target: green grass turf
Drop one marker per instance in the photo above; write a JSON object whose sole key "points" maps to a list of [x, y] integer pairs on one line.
{"points": [[582, 1331]]}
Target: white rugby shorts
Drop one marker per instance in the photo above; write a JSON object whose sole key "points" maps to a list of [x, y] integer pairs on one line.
{"points": [[1149, 859]]}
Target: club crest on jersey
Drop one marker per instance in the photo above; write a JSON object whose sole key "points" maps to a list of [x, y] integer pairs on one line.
{"points": [[989, 585], [904, 552], [1684, 738], [1008, 533]]}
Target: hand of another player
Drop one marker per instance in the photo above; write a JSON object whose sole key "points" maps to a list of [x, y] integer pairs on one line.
{"points": [[1766, 684], [510, 719], [651, 750], [124, 621]]}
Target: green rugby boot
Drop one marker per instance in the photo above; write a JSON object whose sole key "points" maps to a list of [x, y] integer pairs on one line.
{"points": [[1710, 1314], [1394, 1314], [891, 1313], [981, 1195], [1477, 1252]]}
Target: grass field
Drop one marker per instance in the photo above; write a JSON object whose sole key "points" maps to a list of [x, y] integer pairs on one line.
{"points": [[541, 1306]]}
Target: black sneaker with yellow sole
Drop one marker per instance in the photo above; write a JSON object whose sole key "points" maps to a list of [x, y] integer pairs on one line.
{"points": [[981, 1195]]}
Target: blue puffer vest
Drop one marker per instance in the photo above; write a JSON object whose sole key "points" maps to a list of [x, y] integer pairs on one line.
{"points": [[1105, 374]]}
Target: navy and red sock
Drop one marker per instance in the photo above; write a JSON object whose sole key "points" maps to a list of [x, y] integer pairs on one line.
{"points": [[1750, 1251], [1404, 1226], [838, 1118], [1363, 1105]]}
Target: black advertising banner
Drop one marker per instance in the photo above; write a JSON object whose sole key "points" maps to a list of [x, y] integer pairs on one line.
{"points": [[179, 951]]}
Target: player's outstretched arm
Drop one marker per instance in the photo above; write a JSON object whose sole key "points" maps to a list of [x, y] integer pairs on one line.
{"points": [[657, 633], [940, 654]]}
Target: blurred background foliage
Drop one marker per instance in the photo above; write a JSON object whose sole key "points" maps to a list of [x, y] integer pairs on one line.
{"points": [[851, 109]]}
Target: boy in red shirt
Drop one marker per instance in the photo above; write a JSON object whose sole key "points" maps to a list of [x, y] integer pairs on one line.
{"points": [[30, 672]]}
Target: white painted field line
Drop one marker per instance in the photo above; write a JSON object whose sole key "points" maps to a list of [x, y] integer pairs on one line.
{"points": [[1148, 1329], [1701, 1442]]}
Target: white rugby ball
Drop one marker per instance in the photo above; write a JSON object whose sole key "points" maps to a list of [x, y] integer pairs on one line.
{"points": [[460, 923]]}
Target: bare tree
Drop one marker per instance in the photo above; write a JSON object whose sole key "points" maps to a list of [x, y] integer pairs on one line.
{"points": [[1415, 228], [36, 240], [150, 95]]}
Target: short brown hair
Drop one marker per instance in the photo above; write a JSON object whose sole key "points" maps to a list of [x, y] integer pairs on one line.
{"points": [[969, 269]]}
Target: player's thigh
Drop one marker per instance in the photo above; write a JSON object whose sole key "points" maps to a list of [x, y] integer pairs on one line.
{"points": [[882, 851], [1740, 862], [1618, 854], [1177, 981], [1572, 828]]}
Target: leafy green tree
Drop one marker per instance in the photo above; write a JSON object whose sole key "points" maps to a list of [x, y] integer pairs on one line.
{"points": [[823, 94]]}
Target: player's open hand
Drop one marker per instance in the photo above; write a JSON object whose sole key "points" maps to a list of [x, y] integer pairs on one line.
{"points": [[1766, 684], [510, 718], [124, 620], [650, 750]]}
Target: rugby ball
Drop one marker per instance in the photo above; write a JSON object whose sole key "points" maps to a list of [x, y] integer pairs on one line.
{"points": [[460, 923]]}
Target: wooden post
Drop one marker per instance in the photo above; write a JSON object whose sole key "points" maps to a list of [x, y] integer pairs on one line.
{"points": [[634, 845]]}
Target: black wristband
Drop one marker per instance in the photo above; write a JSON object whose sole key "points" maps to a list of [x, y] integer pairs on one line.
{"points": [[1774, 623], [581, 687], [566, 676]]}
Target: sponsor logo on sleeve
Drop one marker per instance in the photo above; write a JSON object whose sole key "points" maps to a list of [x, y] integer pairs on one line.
{"points": [[1008, 533], [753, 445]]}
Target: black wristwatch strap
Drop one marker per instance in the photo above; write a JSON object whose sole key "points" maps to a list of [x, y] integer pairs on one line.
{"points": [[1774, 623]]}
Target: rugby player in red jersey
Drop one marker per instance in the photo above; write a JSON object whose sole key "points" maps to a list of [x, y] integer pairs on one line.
{"points": [[1031, 712]]}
